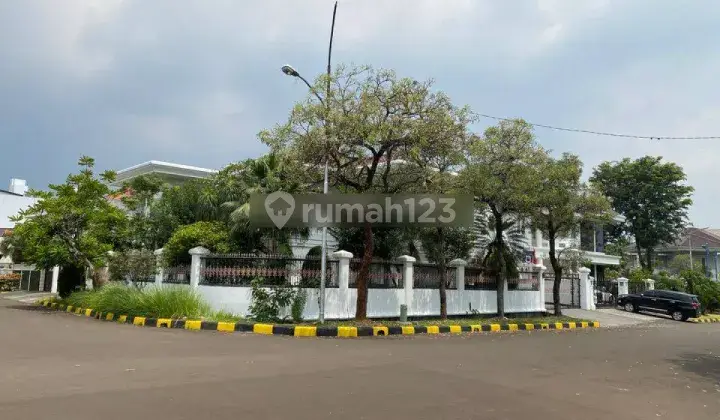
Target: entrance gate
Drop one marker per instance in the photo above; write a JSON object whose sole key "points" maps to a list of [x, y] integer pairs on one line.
{"points": [[569, 290], [606, 293]]}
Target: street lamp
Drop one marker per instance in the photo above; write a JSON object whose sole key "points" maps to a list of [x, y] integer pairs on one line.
{"points": [[290, 71]]}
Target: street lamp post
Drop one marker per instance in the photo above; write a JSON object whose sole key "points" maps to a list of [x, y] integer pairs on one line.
{"points": [[290, 71]]}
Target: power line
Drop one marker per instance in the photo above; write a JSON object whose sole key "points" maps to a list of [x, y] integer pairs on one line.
{"points": [[600, 133]]}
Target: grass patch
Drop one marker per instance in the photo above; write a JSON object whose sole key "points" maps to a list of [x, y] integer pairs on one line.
{"points": [[153, 302], [456, 321]]}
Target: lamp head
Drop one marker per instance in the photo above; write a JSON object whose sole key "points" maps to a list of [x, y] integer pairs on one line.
{"points": [[289, 70]]}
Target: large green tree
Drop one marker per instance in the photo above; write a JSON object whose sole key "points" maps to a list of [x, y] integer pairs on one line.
{"points": [[502, 174], [562, 203], [371, 126], [653, 197], [72, 225]]}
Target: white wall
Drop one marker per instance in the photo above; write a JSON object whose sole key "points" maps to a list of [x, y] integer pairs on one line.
{"points": [[383, 303], [10, 205]]}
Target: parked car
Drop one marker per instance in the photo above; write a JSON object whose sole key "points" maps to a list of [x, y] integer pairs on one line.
{"points": [[680, 306]]}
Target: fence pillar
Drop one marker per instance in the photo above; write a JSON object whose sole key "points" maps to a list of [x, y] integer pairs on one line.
{"points": [[459, 273], [55, 276], [408, 279], [159, 267], [622, 286], [343, 258], [650, 283], [541, 287], [196, 263], [587, 300]]}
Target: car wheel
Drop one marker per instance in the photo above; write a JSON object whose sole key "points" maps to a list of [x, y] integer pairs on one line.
{"points": [[630, 307], [678, 316]]}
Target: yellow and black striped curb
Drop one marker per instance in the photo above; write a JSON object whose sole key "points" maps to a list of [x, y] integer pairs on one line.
{"points": [[706, 319], [312, 331]]}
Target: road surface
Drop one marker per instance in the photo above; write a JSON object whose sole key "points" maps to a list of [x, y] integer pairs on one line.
{"points": [[59, 366]]}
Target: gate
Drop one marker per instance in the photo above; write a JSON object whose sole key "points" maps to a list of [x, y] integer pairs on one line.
{"points": [[606, 293], [569, 290]]}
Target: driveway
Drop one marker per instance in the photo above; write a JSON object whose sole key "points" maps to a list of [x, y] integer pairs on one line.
{"points": [[59, 366], [610, 317]]}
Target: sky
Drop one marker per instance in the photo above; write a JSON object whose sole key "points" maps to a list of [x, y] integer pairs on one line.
{"points": [[193, 82]]}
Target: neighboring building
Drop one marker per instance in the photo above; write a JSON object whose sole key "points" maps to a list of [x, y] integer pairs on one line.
{"points": [[12, 201], [703, 244]]}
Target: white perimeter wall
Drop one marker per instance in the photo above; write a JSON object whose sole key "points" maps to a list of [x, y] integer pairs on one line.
{"points": [[384, 302]]}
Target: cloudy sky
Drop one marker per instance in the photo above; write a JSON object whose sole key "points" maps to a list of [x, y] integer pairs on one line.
{"points": [[192, 82]]}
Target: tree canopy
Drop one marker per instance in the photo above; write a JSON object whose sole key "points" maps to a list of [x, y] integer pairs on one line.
{"points": [[71, 224], [501, 173], [378, 132], [562, 203], [653, 197]]}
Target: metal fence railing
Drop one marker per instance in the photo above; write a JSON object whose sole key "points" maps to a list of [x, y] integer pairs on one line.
{"points": [[477, 279], [427, 276], [177, 275], [526, 280], [240, 270], [382, 274]]}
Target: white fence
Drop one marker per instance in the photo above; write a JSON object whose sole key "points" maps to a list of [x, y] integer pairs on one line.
{"points": [[224, 281]]}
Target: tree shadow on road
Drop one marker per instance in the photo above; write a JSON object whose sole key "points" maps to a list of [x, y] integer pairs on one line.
{"points": [[705, 365]]}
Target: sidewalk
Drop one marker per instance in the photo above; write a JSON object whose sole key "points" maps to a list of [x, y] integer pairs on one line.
{"points": [[26, 297], [609, 317]]}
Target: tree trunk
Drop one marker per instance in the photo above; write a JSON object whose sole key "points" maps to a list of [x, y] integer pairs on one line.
{"points": [[362, 287], [443, 273], [500, 275], [640, 255], [648, 255], [557, 270]]}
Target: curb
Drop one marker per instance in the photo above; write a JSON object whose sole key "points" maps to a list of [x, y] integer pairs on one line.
{"points": [[311, 331], [705, 319]]}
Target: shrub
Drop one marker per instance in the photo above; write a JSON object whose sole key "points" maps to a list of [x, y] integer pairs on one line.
{"points": [[211, 235], [164, 302], [666, 282], [707, 291], [298, 305], [132, 265], [266, 303]]}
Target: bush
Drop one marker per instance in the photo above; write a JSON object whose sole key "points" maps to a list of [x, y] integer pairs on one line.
{"points": [[266, 303], [666, 282], [211, 235], [132, 265], [173, 302], [707, 290], [298, 305]]}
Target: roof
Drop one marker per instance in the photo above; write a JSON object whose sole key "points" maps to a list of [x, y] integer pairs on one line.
{"points": [[11, 193], [166, 168]]}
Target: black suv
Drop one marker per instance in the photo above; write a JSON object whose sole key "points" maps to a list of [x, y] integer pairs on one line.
{"points": [[680, 306]]}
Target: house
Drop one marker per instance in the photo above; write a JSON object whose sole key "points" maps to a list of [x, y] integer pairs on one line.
{"points": [[175, 174], [701, 245], [12, 201]]}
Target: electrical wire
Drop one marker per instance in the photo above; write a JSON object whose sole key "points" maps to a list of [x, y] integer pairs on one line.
{"points": [[600, 133]]}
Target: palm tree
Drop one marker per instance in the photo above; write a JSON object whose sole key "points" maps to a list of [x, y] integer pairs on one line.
{"points": [[498, 256], [237, 183]]}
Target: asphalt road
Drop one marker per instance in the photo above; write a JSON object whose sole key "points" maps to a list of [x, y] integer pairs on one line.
{"points": [[59, 366]]}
